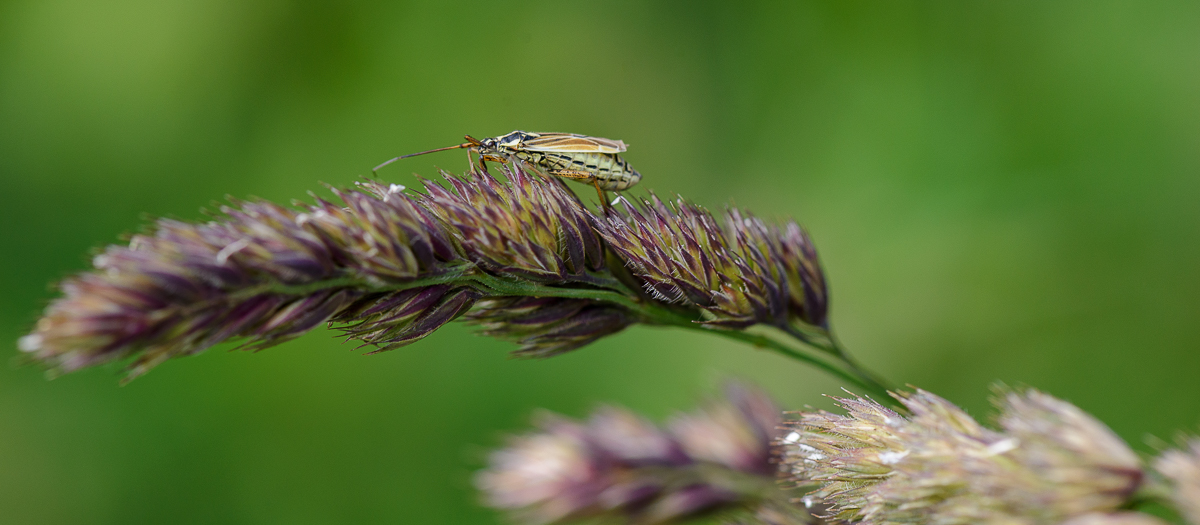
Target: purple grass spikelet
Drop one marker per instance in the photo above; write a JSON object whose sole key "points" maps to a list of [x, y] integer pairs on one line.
{"points": [[547, 326], [382, 234], [531, 227], [260, 272], [618, 465], [391, 320], [741, 271], [807, 289], [735, 431]]}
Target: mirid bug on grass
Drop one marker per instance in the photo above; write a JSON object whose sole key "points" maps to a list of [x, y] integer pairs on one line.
{"points": [[590, 160]]}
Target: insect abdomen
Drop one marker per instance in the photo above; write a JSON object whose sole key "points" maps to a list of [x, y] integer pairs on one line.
{"points": [[611, 171]]}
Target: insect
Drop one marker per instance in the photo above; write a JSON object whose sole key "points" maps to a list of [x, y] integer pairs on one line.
{"points": [[590, 160]]}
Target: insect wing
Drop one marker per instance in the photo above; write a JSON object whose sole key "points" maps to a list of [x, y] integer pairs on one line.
{"points": [[572, 143]]}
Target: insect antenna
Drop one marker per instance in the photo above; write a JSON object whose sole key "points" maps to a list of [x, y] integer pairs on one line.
{"points": [[470, 144]]}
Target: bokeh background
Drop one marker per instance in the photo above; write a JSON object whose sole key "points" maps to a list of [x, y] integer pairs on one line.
{"points": [[1001, 191]]}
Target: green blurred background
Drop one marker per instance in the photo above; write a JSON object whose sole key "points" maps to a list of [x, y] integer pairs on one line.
{"points": [[1000, 191]]}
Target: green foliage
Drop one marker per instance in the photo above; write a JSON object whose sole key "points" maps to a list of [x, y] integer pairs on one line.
{"points": [[1000, 192]]}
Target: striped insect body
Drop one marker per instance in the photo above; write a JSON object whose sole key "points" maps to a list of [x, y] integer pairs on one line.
{"points": [[591, 160]]}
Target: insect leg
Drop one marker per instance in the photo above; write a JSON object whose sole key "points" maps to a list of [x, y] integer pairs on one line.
{"points": [[490, 158], [470, 160], [600, 192], [584, 177], [581, 176]]}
